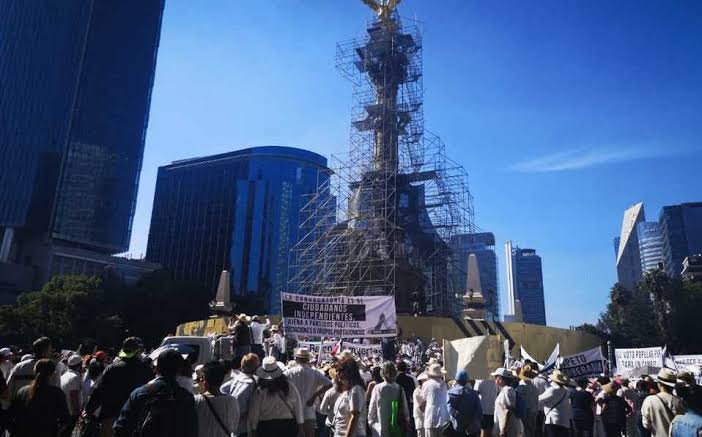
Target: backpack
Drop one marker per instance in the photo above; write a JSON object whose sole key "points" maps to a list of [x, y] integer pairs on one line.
{"points": [[159, 415], [521, 409]]}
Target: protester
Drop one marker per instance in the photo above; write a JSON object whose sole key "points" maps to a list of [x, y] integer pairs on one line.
{"points": [[658, 411], [465, 410], [642, 389], [217, 414], [406, 381], [276, 407], [507, 424], [170, 407], [614, 411], [71, 385], [117, 383], [527, 391], [6, 365], [95, 369], [257, 329], [418, 403], [631, 397], [350, 412], [582, 403], [277, 344], [556, 404], [388, 413], [487, 391], [435, 394], [22, 373], [242, 388], [310, 383], [241, 333], [690, 423], [326, 407], [39, 409]]}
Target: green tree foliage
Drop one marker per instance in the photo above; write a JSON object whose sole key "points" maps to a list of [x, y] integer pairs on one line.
{"points": [[660, 310], [77, 310]]}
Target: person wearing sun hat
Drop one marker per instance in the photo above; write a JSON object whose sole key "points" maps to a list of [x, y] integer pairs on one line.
{"points": [[556, 405], [528, 391], [310, 383], [658, 411], [435, 394], [418, 402], [507, 424], [614, 410], [276, 407]]}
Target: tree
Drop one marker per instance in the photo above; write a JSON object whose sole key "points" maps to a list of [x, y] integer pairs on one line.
{"points": [[629, 320]]}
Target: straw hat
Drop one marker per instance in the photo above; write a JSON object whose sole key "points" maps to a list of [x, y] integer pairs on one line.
{"points": [[686, 379], [610, 389], [502, 372], [243, 317], [666, 377], [422, 376], [270, 369], [74, 360], [345, 354], [435, 371], [558, 377], [303, 353], [275, 328], [527, 374]]}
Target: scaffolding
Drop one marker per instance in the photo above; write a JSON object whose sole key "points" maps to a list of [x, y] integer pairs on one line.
{"points": [[382, 223]]}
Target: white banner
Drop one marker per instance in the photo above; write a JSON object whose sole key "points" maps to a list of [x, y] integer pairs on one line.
{"points": [[358, 350], [584, 364], [339, 316], [689, 363], [630, 359]]}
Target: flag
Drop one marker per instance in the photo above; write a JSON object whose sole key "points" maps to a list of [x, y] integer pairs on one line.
{"points": [[669, 360], [508, 356], [336, 348], [552, 360], [526, 356]]}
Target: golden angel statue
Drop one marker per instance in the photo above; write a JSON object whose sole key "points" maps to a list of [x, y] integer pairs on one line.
{"points": [[383, 8]]}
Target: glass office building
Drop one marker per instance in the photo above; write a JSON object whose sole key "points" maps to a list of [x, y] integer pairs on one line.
{"points": [[650, 245], [482, 245], [525, 284], [681, 229], [237, 211], [75, 91]]}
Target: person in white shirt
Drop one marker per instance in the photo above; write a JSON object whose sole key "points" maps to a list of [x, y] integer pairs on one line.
{"points": [[435, 394], [350, 412], [311, 383], [528, 391], [556, 404], [278, 344], [257, 329], [217, 414], [381, 404], [242, 388], [71, 384], [658, 411], [507, 424], [487, 391], [276, 407], [326, 407], [22, 373], [418, 402]]}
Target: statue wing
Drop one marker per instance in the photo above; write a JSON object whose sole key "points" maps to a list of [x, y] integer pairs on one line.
{"points": [[392, 4], [373, 5]]}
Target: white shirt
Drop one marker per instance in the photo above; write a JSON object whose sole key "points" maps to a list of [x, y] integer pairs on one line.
{"points": [[226, 408], [556, 404], [348, 401], [380, 408], [6, 368], [71, 381], [242, 389], [327, 405], [257, 329], [418, 407], [308, 381], [505, 401], [487, 391], [267, 406], [436, 414]]}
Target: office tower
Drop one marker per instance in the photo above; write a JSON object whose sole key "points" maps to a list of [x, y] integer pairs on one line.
{"points": [[482, 245], [650, 245], [681, 228], [525, 284], [628, 256], [75, 91], [236, 211]]}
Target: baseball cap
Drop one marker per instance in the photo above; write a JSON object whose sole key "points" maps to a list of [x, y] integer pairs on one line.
{"points": [[130, 347]]}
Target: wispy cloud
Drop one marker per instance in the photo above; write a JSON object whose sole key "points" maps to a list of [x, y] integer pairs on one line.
{"points": [[584, 157]]}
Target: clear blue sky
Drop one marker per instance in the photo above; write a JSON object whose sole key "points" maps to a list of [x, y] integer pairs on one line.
{"points": [[563, 112]]}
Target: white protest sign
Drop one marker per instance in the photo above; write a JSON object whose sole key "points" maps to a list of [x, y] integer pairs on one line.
{"points": [[690, 363], [339, 316], [630, 359], [358, 350], [584, 364], [314, 347]]}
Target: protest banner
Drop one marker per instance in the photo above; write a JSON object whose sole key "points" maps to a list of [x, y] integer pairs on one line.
{"points": [[689, 363], [586, 364], [630, 359], [339, 316], [362, 351], [314, 347], [358, 350]]}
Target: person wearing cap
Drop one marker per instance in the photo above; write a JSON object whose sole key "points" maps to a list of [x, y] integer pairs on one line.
{"points": [[464, 408], [276, 407], [257, 329], [556, 406], [614, 410], [71, 384], [658, 411], [528, 391], [507, 424], [487, 391], [241, 335], [119, 380], [22, 373], [418, 403], [6, 362], [164, 395], [435, 394], [380, 409], [310, 383], [690, 423]]}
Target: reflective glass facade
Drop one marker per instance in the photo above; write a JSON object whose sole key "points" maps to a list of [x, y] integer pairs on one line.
{"points": [[528, 284], [236, 211], [681, 227], [482, 245], [650, 245], [75, 89]]}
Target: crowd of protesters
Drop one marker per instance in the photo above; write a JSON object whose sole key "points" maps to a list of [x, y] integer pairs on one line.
{"points": [[257, 394]]}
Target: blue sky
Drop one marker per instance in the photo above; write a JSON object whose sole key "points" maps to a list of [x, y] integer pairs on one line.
{"points": [[563, 112]]}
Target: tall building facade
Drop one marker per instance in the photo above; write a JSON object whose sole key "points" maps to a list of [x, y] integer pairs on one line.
{"points": [[525, 284], [482, 245], [628, 256], [681, 229], [650, 245], [75, 92], [236, 211]]}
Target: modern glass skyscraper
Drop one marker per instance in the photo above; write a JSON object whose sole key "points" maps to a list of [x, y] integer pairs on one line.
{"points": [[75, 91], [628, 256], [681, 228], [482, 245], [237, 211], [525, 284], [650, 245]]}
